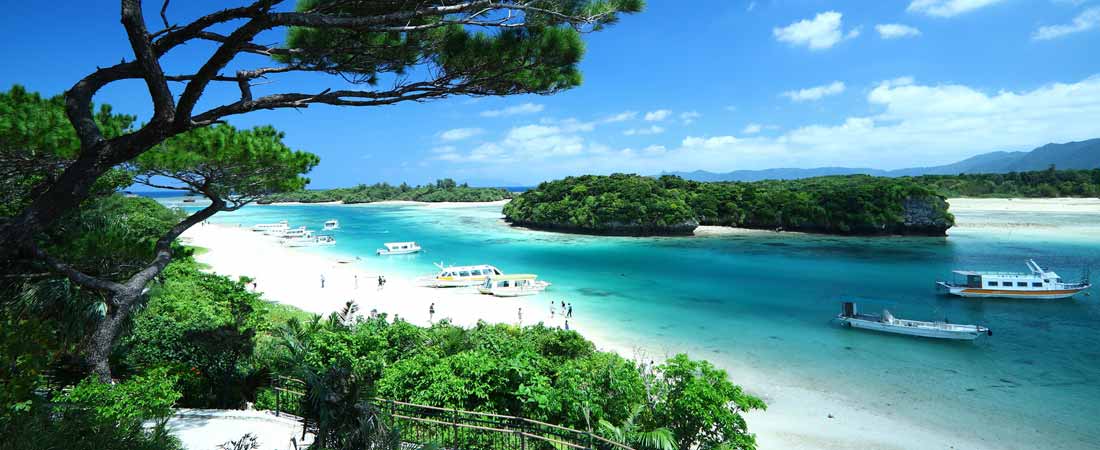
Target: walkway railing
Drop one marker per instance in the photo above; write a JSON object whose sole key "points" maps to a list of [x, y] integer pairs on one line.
{"points": [[452, 428]]}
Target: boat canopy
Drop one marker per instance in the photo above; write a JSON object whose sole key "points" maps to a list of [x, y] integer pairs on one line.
{"points": [[515, 277], [393, 245]]}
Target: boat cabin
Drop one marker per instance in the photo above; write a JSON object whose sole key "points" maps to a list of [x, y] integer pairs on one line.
{"points": [[1037, 279]]}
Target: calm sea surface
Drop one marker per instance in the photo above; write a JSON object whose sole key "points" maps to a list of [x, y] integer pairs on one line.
{"points": [[762, 304]]}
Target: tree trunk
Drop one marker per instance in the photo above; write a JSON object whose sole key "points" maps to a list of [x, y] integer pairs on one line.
{"points": [[97, 349]]}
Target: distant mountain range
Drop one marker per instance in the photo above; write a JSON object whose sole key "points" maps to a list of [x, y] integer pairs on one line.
{"points": [[1071, 155]]}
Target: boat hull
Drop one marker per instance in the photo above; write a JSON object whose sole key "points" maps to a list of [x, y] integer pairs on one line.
{"points": [[912, 331], [969, 292], [397, 252]]}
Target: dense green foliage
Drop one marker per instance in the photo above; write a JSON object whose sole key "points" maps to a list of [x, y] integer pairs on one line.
{"points": [[203, 328], [37, 143], [223, 162], [445, 190], [632, 204], [540, 57], [541, 373], [1037, 184]]}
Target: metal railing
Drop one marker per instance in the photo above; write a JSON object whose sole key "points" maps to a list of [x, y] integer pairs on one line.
{"points": [[452, 428]]}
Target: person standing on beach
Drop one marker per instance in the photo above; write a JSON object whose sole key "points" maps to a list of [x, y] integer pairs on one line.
{"points": [[569, 312], [322, 281], [380, 282], [566, 325], [357, 281], [521, 316], [431, 312], [552, 310]]}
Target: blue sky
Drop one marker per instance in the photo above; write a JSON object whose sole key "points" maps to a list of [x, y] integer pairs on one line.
{"points": [[718, 85]]}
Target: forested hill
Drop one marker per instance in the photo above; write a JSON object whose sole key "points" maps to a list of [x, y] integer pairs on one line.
{"points": [[1082, 155], [445, 190], [623, 204], [1036, 184]]}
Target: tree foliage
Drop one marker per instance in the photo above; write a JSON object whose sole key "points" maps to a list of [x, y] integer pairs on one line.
{"points": [[540, 373], [1035, 184], [632, 204]]}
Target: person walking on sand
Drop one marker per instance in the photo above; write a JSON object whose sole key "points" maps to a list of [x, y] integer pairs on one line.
{"points": [[322, 281], [431, 312], [569, 312], [551, 310], [563, 306], [380, 282]]}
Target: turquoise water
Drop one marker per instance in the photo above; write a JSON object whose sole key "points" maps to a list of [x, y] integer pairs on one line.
{"points": [[761, 306]]}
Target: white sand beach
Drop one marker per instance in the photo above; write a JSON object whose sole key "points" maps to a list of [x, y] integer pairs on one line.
{"points": [[1045, 205], [797, 418]]}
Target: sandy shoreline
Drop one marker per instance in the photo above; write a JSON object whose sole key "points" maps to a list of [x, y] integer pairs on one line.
{"points": [[797, 417]]}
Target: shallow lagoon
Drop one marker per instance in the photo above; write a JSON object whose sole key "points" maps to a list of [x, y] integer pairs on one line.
{"points": [[761, 305]]}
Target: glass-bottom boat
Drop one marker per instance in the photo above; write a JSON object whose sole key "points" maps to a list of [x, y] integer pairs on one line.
{"points": [[512, 285], [887, 323], [458, 276], [1036, 284]]}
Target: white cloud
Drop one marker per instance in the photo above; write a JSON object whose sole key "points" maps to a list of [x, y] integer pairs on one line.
{"points": [[622, 117], [458, 134], [658, 115], [815, 93], [730, 108], [689, 117], [819, 33], [910, 124], [652, 129], [1087, 20], [947, 8], [896, 30], [526, 108]]}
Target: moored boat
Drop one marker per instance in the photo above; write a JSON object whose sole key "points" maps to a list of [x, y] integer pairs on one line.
{"points": [[887, 323], [458, 276], [1038, 283], [268, 228], [512, 285], [331, 225], [399, 248], [301, 231], [309, 240]]}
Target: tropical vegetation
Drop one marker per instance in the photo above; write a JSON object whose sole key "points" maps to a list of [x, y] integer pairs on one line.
{"points": [[1035, 184], [637, 205], [443, 190]]}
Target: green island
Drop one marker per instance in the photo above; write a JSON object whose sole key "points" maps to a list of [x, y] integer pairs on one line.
{"points": [[635, 205], [444, 190]]}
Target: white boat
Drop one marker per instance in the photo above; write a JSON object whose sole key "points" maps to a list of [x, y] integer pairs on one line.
{"points": [[309, 240], [457, 276], [268, 228], [887, 323], [293, 233], [331, 225], [399, 248], [1037, 284], [512, 285]]}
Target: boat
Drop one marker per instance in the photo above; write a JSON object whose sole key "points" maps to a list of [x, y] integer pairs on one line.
{"points": [[268, 228], [331, 225], [301, 231], [1038, 283], [512, 285], [458, 276], [309, 240], [887, 323], [399, 248]]}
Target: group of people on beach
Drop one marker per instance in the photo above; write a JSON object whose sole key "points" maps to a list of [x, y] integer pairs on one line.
{"points": [[566, 309]]}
